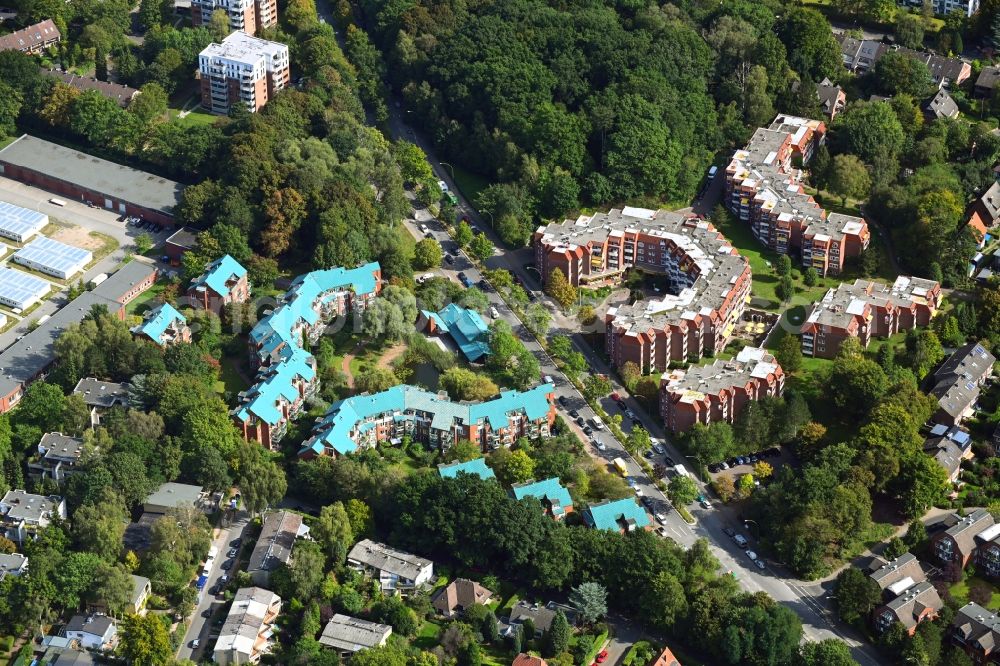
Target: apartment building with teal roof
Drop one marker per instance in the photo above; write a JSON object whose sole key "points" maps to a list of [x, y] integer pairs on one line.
{"points": [[622, 515], [223, 283], [163, 325], [477, 467], [287, 372], [431, 418], [554, 497]]}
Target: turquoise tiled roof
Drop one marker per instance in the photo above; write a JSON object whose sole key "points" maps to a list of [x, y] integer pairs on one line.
{"points": [[608, 514], [549, 489], [280, 331], [477, 467], [276, 383], [334, 430], [219, 272], [468, 330], [157, 321]]}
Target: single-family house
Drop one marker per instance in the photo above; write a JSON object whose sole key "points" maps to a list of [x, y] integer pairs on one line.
{"points": [[941, 105], [12, 564], [23, 514], [458, 595], [397, 571], [101, 396], [141, 589], [622, 515], [94, 632], [171, 495], [347, 635], [524, 659], [540, 615], [554, 497], [949, 446], [466, 328], [832, 98], [665, 658], [986, 83], [58, 456]]}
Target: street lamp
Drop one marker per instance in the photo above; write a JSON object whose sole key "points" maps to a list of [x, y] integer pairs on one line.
{"points": [[746, 523], [450, 168], [697, 458], [491, 216]]}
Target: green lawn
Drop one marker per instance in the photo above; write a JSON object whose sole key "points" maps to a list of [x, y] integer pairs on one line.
{"points": [[960, 591], [427, 637], [470, 184], [232, 382], [195, 118], [141, 301]]}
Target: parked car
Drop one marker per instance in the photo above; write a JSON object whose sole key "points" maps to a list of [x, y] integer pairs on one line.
{"points": [[601, 446], [668, 461], [759, 562], [237, 542], [648, 453], [714, 467], [729, 531], [232, 552], [752, 555], [646, 500], [629, 413], [588, 431], [443, 185], [741, 540], [562, 400], [580, 422], [602, 657], [705, 504], [575, 414], [494, 312], [660, 518], [227, 565], [448, 259], [195, 643], [659, 449]]}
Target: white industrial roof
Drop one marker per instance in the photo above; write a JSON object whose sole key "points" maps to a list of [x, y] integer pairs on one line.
{"points": [[21, 221], [54, 255], [20, 287]]}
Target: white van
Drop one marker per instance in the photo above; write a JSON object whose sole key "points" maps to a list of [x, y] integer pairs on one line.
{"points": [[57, 202], [597, 423], [711, 173]]}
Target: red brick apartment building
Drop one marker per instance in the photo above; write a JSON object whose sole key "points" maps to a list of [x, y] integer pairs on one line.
{"points": [[720, 391], [763, 189], [709, 280], [867, 310], [32, 39], [244, 15], [976, 631], [223, 283]]}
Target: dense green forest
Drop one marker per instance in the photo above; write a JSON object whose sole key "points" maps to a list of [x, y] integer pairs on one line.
{"points": [[594, 102]]}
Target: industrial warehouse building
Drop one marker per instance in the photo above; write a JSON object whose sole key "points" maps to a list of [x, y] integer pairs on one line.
{"points": [[19, 290], [20, 224], [53, 258], [33, 355], [83, 177]]}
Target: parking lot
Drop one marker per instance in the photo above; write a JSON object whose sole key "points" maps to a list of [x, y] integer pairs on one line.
{"points": [[75, 221]]}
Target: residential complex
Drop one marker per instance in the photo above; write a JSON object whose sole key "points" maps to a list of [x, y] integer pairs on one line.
{"points": [[709, 282], [945, 7], [860, 55], [287, 375], [242, 69], [244, 15], [718, 392], [23, 514], [120, 93], [476, 467], [915, 604], [432, 419], [397, 571], [223, 283], [249, 627], [866, 310], [164, 326], [764, 190], [32, 39], [958, 381]]}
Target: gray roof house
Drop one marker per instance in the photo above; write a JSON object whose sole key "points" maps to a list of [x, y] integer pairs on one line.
{"points": [[396, 570], [918, 603], [99, 393], [831, 98], [941, 105], [141, 589], [274, 545], [958, 380], [58, 456], [95, 632], [977, 630], [541, 616], [987, 80], [957, 543], [888, 575], [348, 635], [12, 564], [172, 495], [22, 514]]}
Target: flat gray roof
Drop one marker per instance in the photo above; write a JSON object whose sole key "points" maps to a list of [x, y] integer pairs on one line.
{"points": [[93, 173], [173, 495]]}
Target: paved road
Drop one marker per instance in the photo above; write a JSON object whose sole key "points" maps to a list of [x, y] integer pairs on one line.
{"points": [[200, 626], [810, 602], [74, 212]]}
